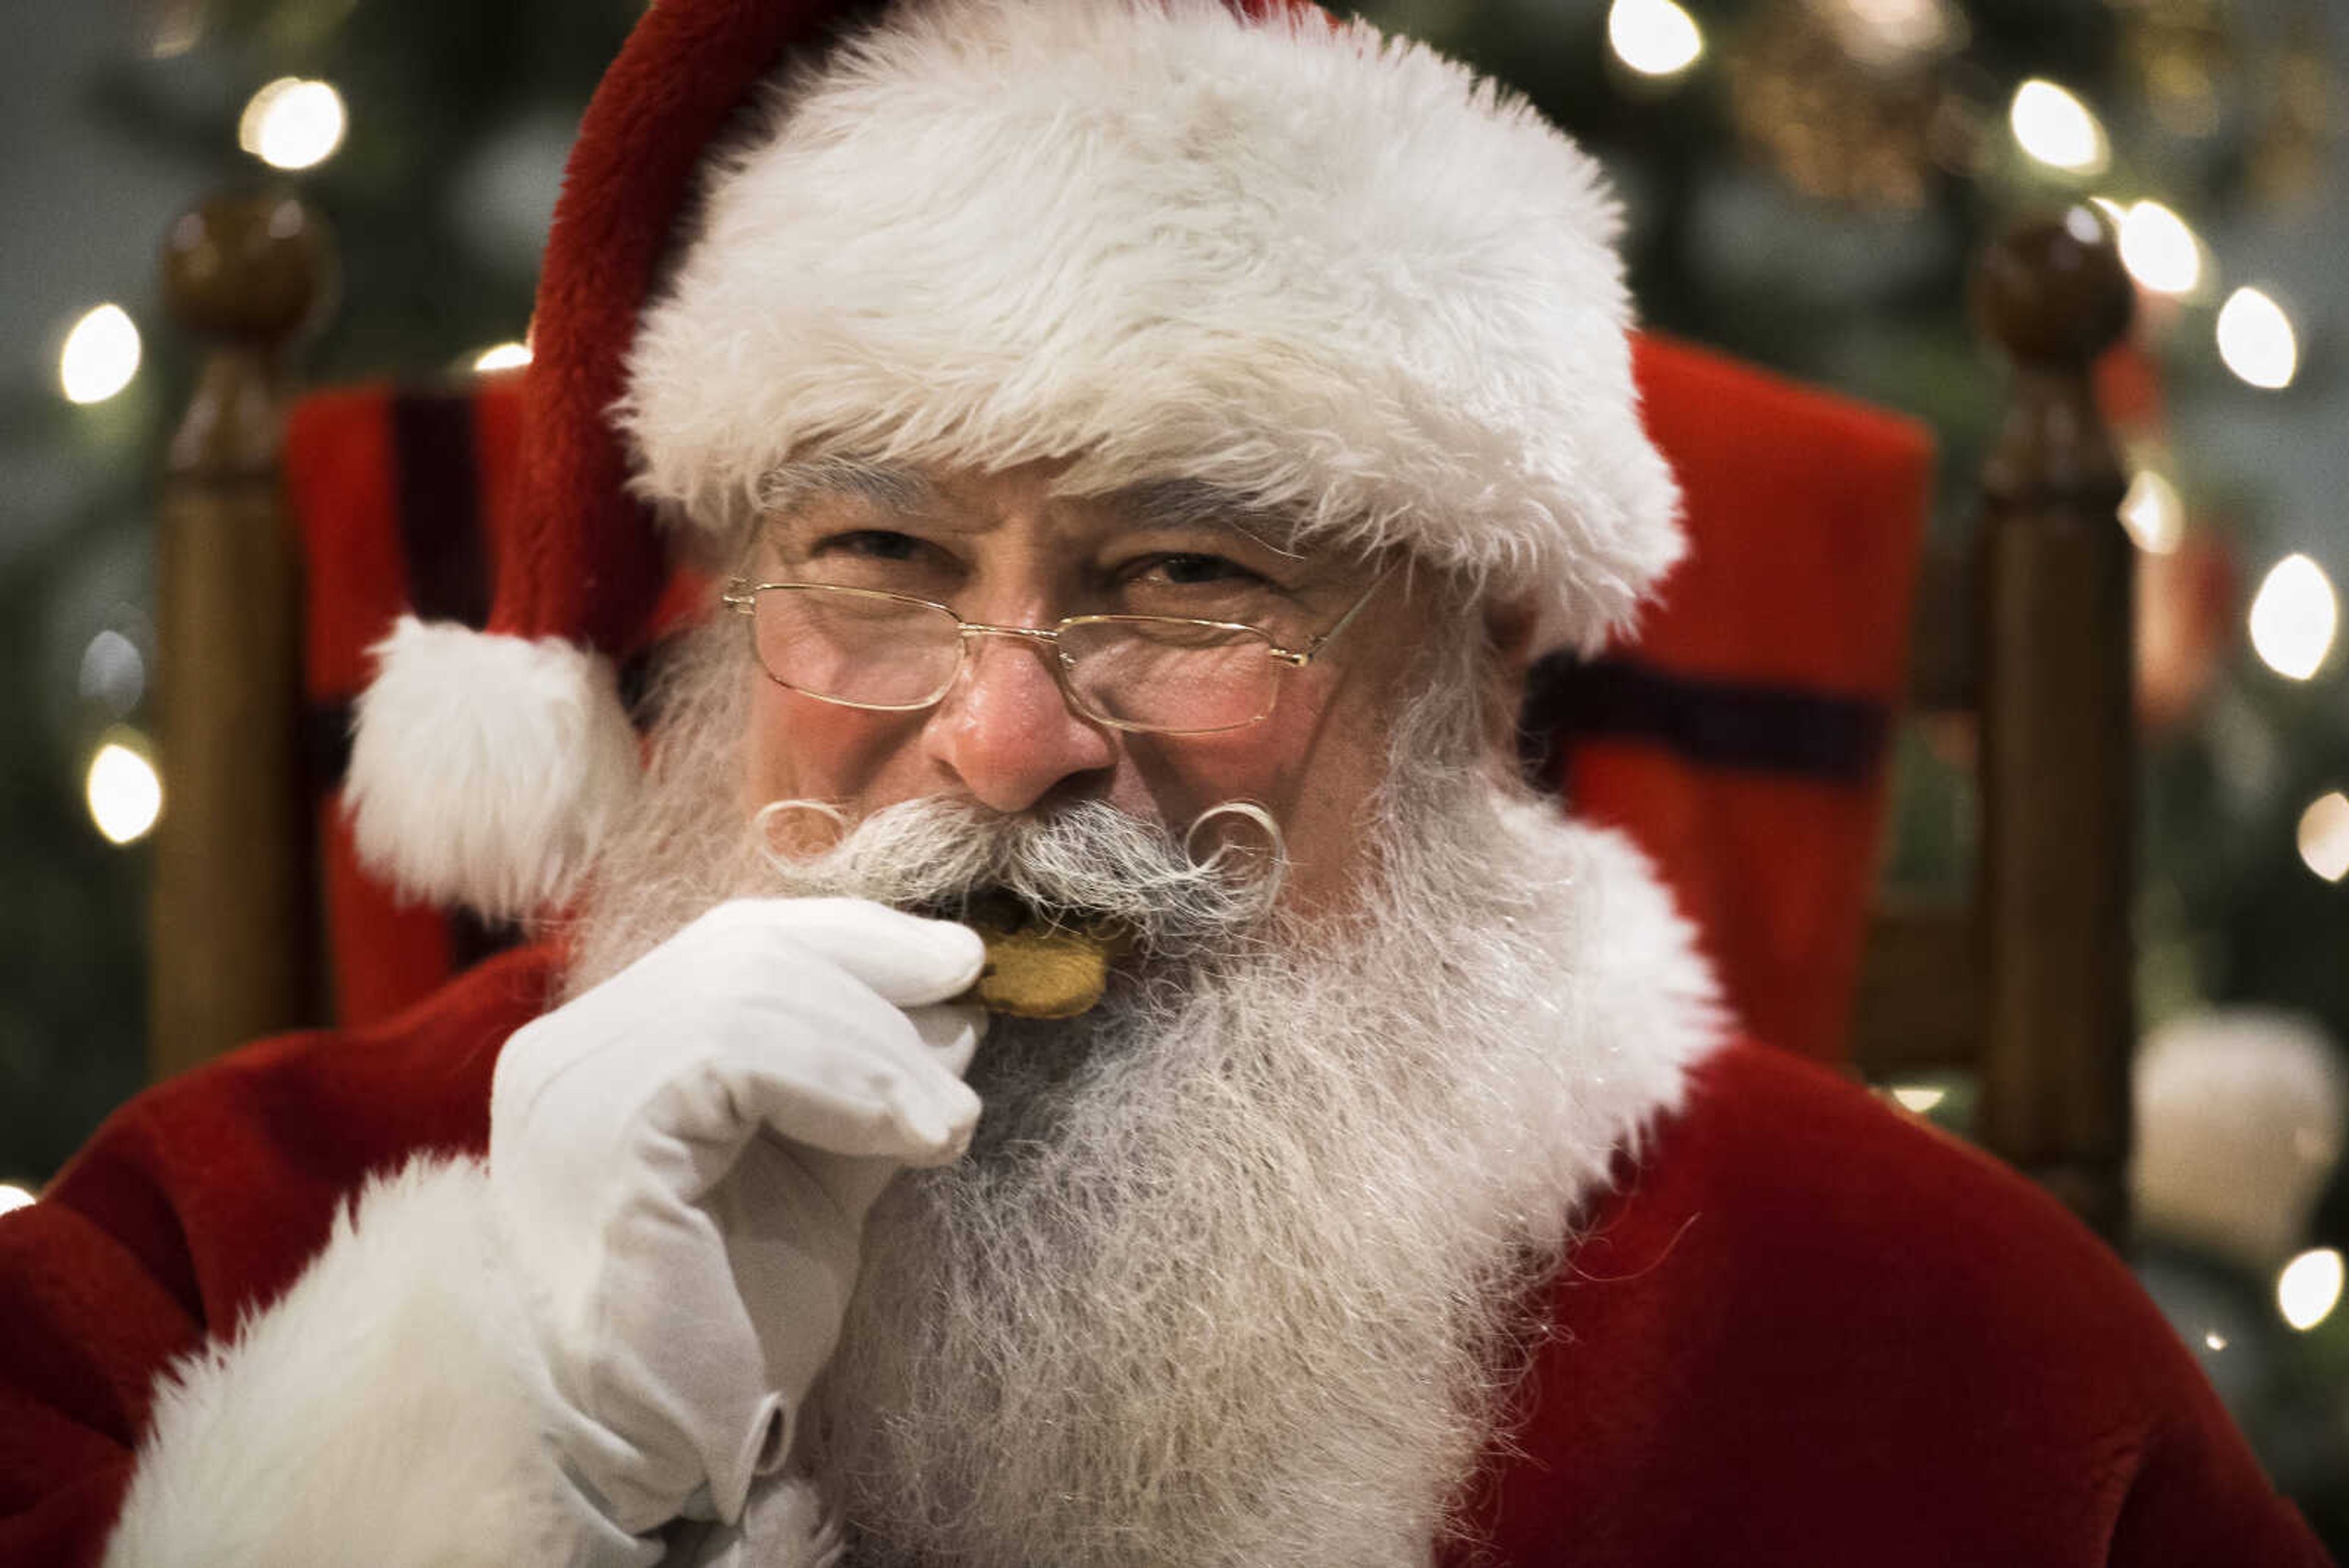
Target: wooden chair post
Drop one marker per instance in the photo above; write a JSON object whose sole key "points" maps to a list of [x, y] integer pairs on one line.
{"points": [[2054, 575], [233, 917]]}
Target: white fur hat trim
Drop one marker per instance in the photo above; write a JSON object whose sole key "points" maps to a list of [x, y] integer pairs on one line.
{"points": [[1338, 275], [484, 769]]}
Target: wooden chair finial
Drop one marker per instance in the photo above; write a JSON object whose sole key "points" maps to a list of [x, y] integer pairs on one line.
{"points": [[250, 266], [2052, 290]]}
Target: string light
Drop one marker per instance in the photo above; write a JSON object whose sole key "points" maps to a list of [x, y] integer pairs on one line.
{"points": [[2154, 512], [1918, 1097], [2294, 617], [504, 357], [113, 671], [2308, 1288], [2323, 836], [13, 1197], [124, 793], [2160, 251], [292, 124], [2057, 130], [101, 355], [1654, 38], [2256, 340]]}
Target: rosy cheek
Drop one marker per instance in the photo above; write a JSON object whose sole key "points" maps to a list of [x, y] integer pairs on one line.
{"points": [[1270, 763], [803, 749]]}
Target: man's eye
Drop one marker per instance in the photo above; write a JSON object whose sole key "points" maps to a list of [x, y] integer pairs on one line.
{"points": [[871, 545], [1192, 570]]}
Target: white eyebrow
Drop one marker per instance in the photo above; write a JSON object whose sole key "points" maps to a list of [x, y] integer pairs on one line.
{"points": [[883, 485], [1196, 504]]}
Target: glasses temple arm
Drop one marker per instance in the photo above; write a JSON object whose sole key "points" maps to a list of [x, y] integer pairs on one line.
{"points": [[1313, 648]]}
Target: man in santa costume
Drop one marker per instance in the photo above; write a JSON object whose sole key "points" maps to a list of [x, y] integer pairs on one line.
{"points": [[1139, 448]]}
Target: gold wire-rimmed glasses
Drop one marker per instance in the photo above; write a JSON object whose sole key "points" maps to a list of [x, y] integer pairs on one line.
{"points": [[894, 653]]}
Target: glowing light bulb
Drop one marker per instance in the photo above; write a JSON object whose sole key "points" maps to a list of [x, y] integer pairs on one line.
{"points": [[2324, 836], [504, 357], [2057, 130], [2294, 617], [2160, 251], [2154, 512], [2215, 1340], [124, 794], [101, 355], [1654, 38], [13, 1197], [2308, 1288], [2256, 340], [1918, 1097], [292, 124]]}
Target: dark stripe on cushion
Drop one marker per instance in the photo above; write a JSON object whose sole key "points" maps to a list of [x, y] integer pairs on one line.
{"points": [[1711, 723], [434, 465]]}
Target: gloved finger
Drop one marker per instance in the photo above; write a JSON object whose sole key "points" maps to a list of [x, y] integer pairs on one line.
{"points": [[904, 958], [847, 1105], [950, 1032]]}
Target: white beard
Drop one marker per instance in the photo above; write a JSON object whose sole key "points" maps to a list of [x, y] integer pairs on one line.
{"points": [[1242, 1264]]}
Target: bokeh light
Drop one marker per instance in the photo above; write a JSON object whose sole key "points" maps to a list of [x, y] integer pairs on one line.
{"points": [[14, 1197], [2256, 340], [2323, 836], [2308, 1288], [504, 357], [2057, 130], [113, 671], [2160, 251], [125, 795], [2294, 617], [2154, 512], [101, 355], [1654, 38], [292, 123]]}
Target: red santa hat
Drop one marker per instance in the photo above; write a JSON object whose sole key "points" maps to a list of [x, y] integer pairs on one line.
{"points": [[1148, 238]]}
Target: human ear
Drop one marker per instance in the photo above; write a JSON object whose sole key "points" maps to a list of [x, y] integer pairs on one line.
{"points": [[1509, 627]]}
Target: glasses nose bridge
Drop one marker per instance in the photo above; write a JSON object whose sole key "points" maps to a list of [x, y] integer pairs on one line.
{"points": [[970, 634], [1050, 636]]}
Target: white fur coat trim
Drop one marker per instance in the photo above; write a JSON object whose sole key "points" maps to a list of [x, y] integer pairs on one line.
{"points": [[380, 1411], [1336, 274], [485, 769], [386, 1410]]}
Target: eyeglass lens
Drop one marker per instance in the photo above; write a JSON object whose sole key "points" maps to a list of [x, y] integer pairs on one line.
{"points": [[1141, 672]]}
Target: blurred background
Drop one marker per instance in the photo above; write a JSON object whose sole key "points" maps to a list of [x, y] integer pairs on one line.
{"points": [[1806, 182]]}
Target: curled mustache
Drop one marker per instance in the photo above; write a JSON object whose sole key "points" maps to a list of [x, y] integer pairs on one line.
{"points": [[1085, 861]]}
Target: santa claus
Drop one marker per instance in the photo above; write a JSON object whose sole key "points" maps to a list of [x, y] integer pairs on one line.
{"points": [[1138, 450]]}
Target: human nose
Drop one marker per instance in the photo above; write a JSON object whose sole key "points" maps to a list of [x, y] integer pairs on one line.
{"points": [[1005, 728]]}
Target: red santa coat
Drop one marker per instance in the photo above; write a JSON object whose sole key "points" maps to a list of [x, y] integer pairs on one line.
{"points": [[1802, 1329]]}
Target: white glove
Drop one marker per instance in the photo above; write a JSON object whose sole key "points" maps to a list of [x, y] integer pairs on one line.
{"points": [[681, 1162]]}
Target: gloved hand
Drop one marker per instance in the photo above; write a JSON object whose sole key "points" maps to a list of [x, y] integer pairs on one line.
{"points": [[681, 1160]]}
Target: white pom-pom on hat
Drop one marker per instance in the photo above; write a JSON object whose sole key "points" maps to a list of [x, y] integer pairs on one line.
{"points": [[486, 769]]}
